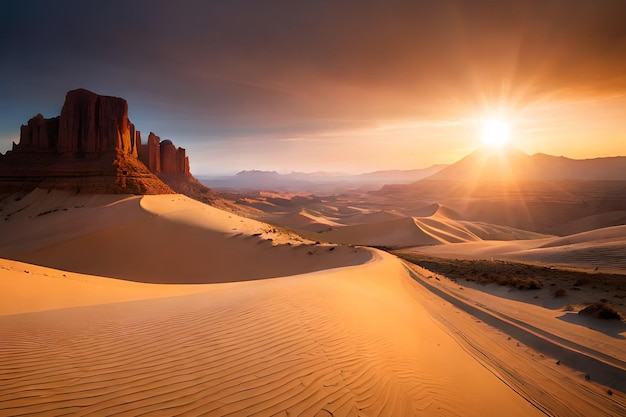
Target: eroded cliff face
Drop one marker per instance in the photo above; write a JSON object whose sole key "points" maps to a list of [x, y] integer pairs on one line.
{"points": [[91, 123], [92, 147], [39, 135], [162, 157]]}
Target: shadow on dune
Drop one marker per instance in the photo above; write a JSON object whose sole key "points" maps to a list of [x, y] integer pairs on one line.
{"points": [[613, 328], [604, 368], [189, 243]]}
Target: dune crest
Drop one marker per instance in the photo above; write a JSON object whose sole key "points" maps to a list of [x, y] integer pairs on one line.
{"points": [[601, 249], [438, 228], [167, 239]]}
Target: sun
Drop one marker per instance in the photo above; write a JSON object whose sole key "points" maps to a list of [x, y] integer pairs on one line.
{"points": [[496, 133]]}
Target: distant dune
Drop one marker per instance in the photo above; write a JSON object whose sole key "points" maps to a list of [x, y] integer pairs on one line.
{"points": [[602, 249], [435, 229]]}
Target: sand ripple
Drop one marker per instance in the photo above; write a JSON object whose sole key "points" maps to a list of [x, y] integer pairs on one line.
{"points": [[349, 342]]}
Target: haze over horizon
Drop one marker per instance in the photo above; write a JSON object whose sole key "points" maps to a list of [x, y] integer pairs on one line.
{"points": [[327, 86]]}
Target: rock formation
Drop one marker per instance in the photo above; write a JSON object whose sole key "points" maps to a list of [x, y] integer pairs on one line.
{"points": [[163, 157], [95, 124], [92, 147], [89, 124], [150, 153], [39, 135]]}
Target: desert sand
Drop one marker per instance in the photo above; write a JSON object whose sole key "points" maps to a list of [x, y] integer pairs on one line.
{"points": [[391, 230], [160, 239], [601, 249], [187, 309]]}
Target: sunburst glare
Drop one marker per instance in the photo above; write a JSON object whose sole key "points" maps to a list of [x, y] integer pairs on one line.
{"points": [[496, 133]]}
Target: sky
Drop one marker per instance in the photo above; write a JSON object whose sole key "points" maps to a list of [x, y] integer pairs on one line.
{"points": [[342, 86]]}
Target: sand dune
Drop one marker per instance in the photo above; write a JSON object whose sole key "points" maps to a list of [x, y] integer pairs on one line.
{"points": [[355, 337], [480, 249], [289, 346], [310, 220], [304, 220], [596, 221], [600, 256], [398, 232], [166, 239], [28, 288], [603, 249], [435, 229], [605, 235], [371, 217], [360, 340]]}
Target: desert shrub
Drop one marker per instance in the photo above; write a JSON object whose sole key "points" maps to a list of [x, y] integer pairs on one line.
{"points": [[601, 311], [560, 292], [503, 281], [526, 284], [581, 281]]}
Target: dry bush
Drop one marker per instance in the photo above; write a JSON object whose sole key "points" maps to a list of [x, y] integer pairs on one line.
{"points": [[582, 281], [601, 311], [525, 284]]}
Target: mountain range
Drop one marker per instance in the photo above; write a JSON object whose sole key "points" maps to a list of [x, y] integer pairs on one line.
{"points": [[317, 182], [539, 192], [512, 164]]}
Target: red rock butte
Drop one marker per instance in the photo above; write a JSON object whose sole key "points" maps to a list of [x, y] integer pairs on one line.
{"points": [[92, 147]]}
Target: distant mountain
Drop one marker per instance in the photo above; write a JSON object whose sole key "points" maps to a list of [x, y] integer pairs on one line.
{"points": [[511, 164], [542, 193], [256, 174], [317, 182], [398, 176]]}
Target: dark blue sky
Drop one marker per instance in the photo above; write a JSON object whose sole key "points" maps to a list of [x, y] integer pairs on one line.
{"points": [[326, 85]]}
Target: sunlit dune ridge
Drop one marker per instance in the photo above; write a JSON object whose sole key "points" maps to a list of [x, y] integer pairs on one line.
{"points": [[163, 238], [436, 229], [601, 249]]}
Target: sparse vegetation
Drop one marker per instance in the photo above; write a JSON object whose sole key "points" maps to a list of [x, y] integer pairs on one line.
{"points": [[525, 284], [519, 276], [582, 281], [523, 276], [601, 310]]}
